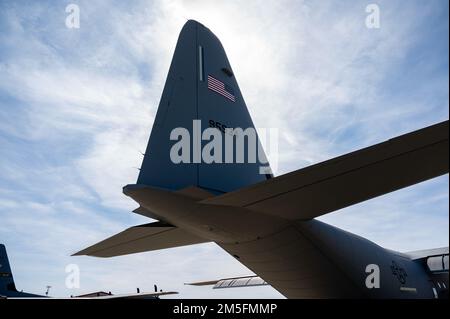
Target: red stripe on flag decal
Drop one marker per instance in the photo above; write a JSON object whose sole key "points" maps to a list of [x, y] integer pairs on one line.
{"points": [[219, 87]]}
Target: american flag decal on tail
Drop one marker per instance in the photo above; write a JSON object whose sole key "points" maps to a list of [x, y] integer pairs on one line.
{"points": [[221, 88]]}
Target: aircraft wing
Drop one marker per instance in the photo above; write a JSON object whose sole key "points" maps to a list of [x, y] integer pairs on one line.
{"points": [[142, 238], [235, 282], [419, 254], [141, 295], [349, 179]]}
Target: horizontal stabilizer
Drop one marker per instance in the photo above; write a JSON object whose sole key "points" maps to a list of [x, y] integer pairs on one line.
{"points": [[142, 238], [349, 179]]}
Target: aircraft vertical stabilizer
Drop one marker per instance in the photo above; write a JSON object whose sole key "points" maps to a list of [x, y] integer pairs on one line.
{"points": [[200, 86]]}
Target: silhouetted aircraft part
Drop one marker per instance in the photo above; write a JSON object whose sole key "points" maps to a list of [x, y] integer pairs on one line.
{"points": [[141, 238], [267, 223], [8, 289], [349, 179]]}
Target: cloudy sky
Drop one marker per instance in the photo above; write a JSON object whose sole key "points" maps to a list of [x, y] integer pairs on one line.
{"points": [[77, 107]]}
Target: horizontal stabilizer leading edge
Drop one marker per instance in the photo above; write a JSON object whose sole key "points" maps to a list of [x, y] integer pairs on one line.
{"points": [[349, 179], [142, 238]]}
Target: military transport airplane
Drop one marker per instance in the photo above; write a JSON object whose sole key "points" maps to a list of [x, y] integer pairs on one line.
{"points": [[268, 223], [8, 288]]}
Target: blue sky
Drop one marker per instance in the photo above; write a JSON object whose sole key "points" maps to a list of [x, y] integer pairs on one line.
{"points": [[77, 106]]}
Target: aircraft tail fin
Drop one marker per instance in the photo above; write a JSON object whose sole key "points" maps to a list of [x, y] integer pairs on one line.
{"points": [[200, 92], [6, 278]]}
